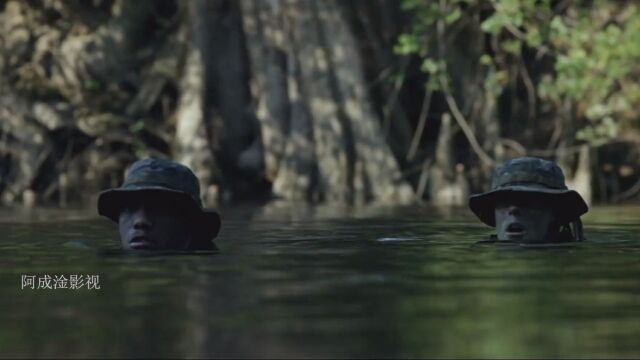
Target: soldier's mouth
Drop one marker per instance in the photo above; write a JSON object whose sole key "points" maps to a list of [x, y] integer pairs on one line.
{"points": [[141, 242], [515, 230]]}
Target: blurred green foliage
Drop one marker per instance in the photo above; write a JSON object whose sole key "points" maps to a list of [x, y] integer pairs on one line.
{"points": [[585, 52]]}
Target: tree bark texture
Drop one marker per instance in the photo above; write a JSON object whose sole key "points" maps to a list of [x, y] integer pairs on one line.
{"points": [[322, 139], [260, 98]]}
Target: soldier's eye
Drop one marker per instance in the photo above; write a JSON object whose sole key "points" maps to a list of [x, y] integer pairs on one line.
{"points": [[169, 211], [132, 206]]}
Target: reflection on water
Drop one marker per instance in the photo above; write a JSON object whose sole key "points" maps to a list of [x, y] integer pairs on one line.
{"points": [[318, 282]]}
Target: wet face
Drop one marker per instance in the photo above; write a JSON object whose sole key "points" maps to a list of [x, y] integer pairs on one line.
{"points": [[150, 224], [523, 220]]}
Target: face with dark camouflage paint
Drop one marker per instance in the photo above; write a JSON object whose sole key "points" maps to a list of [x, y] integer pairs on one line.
{"points": [[524, 220], [153, 224]]}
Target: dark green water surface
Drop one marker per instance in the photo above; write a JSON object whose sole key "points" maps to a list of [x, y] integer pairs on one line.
{"points": [[316, 282]]}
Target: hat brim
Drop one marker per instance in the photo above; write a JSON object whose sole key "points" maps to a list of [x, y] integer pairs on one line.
{"points": [[568, 204], [207, 221]]}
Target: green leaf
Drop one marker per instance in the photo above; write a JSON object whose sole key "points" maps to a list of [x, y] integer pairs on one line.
{"points": [[453, 16], [411, 4], [486, 60], [407, 44], [558, 26], [433, 84], [92, 84], [429, 66], [533, 37], [494, 23], [137, 126], [512, 46]]}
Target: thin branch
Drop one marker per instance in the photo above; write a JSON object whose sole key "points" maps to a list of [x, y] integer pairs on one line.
{"points": [[451, 102], [422, 122], [572, 149], [391, 103], [381, 77], [555, 136], [424, 177], [629, 193], [521, 150], [464, 125], [531, 90], [542, 49]]}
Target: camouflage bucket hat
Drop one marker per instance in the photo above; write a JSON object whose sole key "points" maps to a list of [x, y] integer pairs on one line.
{"points": [[157, 177], [526, 176]]}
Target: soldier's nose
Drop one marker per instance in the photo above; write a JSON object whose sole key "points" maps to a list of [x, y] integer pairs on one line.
{"points": [[513, 210], [141, 220]]}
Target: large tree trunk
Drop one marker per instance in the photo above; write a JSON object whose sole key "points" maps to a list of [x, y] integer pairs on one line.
{"points": [[193, 143], [322, 139], [216, 130], [249, 94]]}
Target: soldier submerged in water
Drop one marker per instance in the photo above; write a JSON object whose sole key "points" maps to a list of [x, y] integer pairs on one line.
{"points": [[530, 203], [158, 207]]}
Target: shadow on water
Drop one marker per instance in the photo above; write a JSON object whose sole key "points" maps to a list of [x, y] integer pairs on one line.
{"points": [[321, 282]]}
